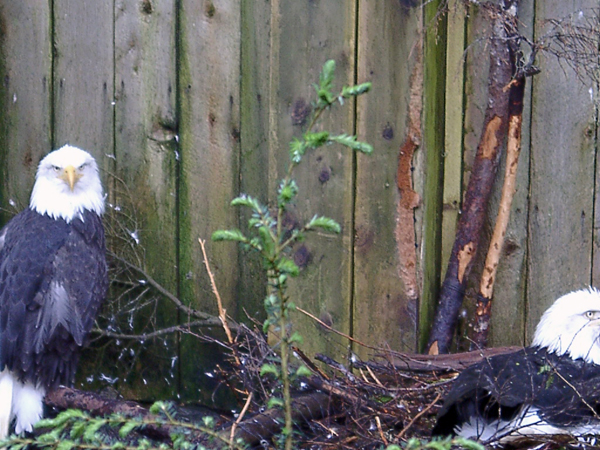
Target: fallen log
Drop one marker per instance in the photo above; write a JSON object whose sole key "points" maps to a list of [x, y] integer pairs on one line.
{"points": [[263, 426], [443, 362], [63, 398]]}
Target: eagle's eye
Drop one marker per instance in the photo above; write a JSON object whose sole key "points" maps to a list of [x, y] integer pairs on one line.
{"points": [[592, 315], [83, 166], [56, 168]]}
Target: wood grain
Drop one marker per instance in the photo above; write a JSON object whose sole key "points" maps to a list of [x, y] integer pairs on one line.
{"points": [[208, 83], [146, 153], [305, 34], [562, 177], [383, 315], [25, 120]]}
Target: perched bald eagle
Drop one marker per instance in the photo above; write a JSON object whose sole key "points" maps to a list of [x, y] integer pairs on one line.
{"points": [[53, 278], [550, 388]]}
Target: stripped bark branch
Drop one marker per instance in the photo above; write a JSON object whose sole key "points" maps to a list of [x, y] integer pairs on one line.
{"points": [[513, 149], [480, 184]]}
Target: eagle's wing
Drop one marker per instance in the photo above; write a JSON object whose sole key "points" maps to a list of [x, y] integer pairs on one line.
{"points": [[487, 390], [562, 391], [52, 281]]}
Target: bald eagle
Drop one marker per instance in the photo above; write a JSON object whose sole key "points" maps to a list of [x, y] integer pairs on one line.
{"points": [[53, 278], [550, 388]]}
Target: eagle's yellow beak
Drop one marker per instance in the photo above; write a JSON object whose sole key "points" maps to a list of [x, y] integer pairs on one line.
{"points": [[70, 176]]}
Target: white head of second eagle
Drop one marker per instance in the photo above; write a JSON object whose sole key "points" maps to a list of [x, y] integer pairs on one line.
{"points": [[552, 387], [571, 326], [53, 279]]}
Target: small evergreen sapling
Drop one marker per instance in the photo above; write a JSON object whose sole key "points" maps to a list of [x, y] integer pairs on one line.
{"points": [[267, 236]]}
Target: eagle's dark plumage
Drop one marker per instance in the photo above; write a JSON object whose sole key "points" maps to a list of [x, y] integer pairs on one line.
{"points": [[552, 387], [53, 279]]}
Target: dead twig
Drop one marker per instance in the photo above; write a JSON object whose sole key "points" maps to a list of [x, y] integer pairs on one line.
{"points": [[378, 422], [239, 419], [333, 330], [222, 311], [417, 417]]}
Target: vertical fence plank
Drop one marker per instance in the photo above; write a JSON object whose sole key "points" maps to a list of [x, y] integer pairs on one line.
{"points": [[83, 77], [455, 57], [145, 193], [432, 167], [383, 315], [562, 175], [209, 73], [254, 137], [25, 71], [83, 89], [595, 281], [310, 34]]}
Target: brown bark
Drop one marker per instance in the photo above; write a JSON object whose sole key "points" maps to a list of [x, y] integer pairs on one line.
{"points": [[446, 362], [95, 404], [98, 405], [479, 188], [261, 426], [513, 149], [265, 425]]}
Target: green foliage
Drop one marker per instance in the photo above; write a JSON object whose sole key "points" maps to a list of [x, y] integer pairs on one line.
{"points": [[73, 429], [273, 242], [324, 223], [351, 142]]}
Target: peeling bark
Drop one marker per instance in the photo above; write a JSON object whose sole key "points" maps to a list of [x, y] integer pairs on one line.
{"points": [[480, 185], [513, 149], [409, 199]]}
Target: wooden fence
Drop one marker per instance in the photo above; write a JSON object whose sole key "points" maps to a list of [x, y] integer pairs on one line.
{"points": [[187, 103]]}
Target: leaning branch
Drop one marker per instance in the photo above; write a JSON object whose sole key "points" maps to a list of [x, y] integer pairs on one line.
{"points": [[513, 149], [479, 188], [209, 319]]}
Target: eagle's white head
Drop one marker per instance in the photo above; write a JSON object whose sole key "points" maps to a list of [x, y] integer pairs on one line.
{"points": [[572, 326], [66, 184]]}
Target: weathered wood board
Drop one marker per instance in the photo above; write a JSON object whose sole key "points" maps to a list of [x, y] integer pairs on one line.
{"points": [[382, 312], [508, 326], [83, 78], [209, 129], [145, 186], [563, 155], [310, 34], [25, 92], [254, 138]]}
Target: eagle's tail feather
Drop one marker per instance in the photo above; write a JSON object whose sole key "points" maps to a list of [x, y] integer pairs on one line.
{"points": [[28, 406], [6, 397]]}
